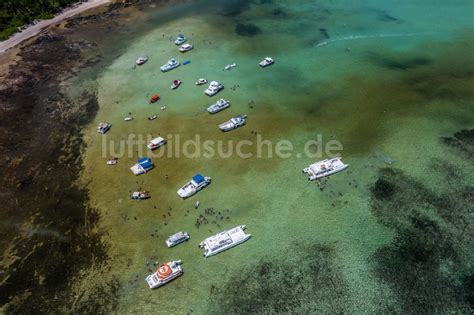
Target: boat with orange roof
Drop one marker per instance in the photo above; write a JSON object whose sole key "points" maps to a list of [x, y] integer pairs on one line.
{"points": [[164, 274]]}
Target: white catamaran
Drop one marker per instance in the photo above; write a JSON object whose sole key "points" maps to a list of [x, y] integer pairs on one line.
{"points": [[224, 240], [325, 168]]}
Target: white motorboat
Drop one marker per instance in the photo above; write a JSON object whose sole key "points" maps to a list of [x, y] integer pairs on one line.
{"points": [[152, 117], [266, 62], [230, 66], [156, 143], [176, 239], [112, 161], [103, 127], [164, 274], [325, 168], [140, 195], [185, 48], [233, 123], [201, 81], [142, 166], [141, 60], [197, 183], [224, 240], [218, 106], [170, 65], [214, 88], [129, 118], [180, 39]]}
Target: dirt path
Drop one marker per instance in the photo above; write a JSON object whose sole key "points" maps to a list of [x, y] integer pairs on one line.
{"points": [[31, 31]]}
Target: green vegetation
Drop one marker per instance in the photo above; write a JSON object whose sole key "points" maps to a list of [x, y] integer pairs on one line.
{"points": [[16, 13]]}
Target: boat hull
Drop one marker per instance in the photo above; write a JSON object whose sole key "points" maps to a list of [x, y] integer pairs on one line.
{"points": [[177, 275], [311, 178], [220, 250], [170, 244], [320, 170]]}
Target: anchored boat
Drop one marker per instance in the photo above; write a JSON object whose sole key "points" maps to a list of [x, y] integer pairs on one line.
{"points": [[201, 81], [141, 60], [177, 238], [154, 98], [164, 274], [142, 166], [218, 106], [325, 168], [180, 39], [266, 62], [197, 183], [214, 88], [224, 240], [233, 123], [112, 161], [103, 127], [156, 143], [185, 48], [175, 84], [170, 65], [230, 66], [140, 195]]}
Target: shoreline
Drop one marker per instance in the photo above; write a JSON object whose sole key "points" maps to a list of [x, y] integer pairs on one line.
{"points": [[35, 29], [35, 186]]}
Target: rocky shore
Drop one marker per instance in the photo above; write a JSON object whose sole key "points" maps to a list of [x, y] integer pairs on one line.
{"points": [[48, 232]]}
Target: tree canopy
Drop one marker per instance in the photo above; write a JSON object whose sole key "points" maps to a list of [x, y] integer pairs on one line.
{"points": [[16, 13]]}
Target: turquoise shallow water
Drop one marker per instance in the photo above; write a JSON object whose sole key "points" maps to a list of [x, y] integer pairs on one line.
{"points": [[369, 86]]}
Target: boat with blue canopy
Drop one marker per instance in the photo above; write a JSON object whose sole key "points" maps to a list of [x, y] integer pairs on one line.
{"points": [[142, 166], [197, 183]]}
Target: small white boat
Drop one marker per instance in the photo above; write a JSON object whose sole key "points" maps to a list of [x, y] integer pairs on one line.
{"points": [[129, 118], [176, 239], [222, 241], [324, 168], [233, 123], [140, 195], [185, 48], [201, 81], [196, 205], [197, 183], [170, 65], [214, 88], [103, 127], [218, 106], [152, 117], [156, 143], [230, 66], [163, 107], [164, 274], [180, 39], [266, 62], [141, 60], [112, 161]]}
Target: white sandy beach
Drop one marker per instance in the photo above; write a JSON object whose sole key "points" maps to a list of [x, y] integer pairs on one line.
{"points": [[31, 31]]}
